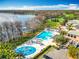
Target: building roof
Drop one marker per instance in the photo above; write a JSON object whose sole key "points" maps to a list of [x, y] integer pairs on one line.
{"points": [[77, 26], [74, 22], [73, 32], [56, 54]]}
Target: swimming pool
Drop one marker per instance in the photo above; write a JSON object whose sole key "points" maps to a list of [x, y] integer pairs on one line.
{"points": [[45, 35], [25, 50]]}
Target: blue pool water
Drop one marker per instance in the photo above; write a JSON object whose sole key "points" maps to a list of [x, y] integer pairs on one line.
{"points": [[25, 50], [45, 35]]}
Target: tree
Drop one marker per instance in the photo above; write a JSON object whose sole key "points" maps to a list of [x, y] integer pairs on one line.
{"points": [[11, 30], [70, 26], [73, 52], [32, 24], [6, 51], [69, 16], [61, 20], [18, 25], [1, 33], [62, 32], [60, 39], [5, 31]]}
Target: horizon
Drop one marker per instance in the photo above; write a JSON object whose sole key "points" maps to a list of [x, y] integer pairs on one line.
{"points": [[39, 5]]}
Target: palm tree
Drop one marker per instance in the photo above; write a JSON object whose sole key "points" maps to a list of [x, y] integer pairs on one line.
{"points": [[70, 26]]}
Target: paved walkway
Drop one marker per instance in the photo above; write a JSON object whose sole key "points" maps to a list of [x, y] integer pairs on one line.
{"points": [[58, 54]]}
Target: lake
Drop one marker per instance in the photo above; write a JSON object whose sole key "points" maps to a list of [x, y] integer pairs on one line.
{"points": [[14, 17]]}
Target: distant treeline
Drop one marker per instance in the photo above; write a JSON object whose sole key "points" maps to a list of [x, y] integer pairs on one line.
{"points": [[39, 11]]}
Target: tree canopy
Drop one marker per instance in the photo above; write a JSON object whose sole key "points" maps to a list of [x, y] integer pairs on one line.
{"points": [[6, 51], [61, 39], [73, 52]]}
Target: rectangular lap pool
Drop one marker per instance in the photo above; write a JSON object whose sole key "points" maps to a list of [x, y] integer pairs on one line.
{"points": [[45, 35]]}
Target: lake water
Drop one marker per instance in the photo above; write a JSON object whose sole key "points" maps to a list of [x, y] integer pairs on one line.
{"points": [[24, 17], [14, 17]]}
